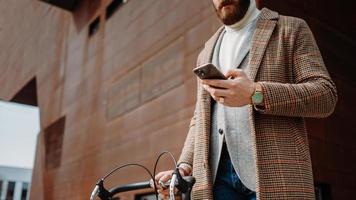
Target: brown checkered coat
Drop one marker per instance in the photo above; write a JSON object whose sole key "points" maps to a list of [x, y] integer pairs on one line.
{"points": [[286, 60]]}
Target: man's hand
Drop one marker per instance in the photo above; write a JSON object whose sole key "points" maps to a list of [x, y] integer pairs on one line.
{"points": [[162, 178], [236, 92]]}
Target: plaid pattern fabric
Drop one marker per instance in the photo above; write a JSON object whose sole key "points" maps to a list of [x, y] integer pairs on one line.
{"points": [[286, 60]]}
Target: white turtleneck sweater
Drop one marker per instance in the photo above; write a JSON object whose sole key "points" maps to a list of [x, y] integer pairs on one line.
{"points": [[234, 38], [232, 46]]}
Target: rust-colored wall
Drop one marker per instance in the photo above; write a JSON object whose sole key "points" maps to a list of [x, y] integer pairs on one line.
{"points": [[127, 92]]}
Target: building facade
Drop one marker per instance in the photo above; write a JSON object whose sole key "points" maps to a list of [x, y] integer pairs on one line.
{"points": [[114, 84], [14, 183]]}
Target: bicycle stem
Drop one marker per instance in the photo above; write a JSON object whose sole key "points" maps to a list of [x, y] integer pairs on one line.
{"points": [[172, 186]]}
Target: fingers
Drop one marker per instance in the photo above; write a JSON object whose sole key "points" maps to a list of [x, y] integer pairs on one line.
{"points": [[164, 194], [234, 73], [164, 197], [164, 176], [217, 83], [159, 185], [215, 92], [208, 88], [161, 178]]}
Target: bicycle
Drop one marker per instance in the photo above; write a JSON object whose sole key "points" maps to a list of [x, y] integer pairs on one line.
{"points": [[183, 184]]}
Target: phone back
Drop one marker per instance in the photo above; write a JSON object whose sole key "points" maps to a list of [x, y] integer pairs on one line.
{"points": [[208, 71]]}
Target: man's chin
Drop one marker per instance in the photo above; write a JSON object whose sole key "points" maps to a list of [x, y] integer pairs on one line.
{"points": [[227, 15], [228, 19]]}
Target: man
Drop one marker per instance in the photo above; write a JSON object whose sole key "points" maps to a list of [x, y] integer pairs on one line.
{"points": [[247, 137]]}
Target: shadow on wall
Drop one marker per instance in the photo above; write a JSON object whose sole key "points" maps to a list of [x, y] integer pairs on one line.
{"points": [[85, 12]]}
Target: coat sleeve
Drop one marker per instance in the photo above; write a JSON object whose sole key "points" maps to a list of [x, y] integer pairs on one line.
{"points": [[313, 93], [188, 148], [187, 154]]}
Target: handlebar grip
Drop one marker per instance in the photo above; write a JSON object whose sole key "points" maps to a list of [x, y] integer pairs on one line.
{"points": [[186, 196], [189, 179]]}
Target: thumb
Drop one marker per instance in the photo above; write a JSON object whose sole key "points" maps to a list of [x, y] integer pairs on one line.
{"points": [[234, 73]]}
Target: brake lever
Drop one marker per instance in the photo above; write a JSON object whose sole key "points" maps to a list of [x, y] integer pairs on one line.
{"points": [[172, 185], [100, 191], [185, 185]]}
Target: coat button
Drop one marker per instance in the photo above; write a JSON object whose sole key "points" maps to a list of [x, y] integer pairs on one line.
{"points": [[221, 131]]}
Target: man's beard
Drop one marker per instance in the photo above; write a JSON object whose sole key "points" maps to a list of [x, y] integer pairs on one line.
{"points": [[238, 11]]}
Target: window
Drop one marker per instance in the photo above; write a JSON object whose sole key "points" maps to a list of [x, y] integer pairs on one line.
{"points": [[24, 191], [53, 143], [10, 190], [113, 6], [0, 188]]}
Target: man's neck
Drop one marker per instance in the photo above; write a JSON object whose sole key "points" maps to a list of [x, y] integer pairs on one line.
{"points": [[250, 15]]}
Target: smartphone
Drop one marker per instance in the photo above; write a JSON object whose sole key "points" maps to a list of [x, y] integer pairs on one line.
{"points": [[208, 71]]}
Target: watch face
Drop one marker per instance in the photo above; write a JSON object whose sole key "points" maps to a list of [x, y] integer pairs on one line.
{"points": [[257, 98]]}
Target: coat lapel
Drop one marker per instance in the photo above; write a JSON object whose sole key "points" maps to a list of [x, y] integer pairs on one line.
{"points": [[201, 148], [210, 45], [207, 57], [264, 29]]}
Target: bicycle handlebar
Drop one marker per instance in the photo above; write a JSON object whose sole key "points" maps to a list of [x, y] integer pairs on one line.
{"points": [[183, 184], [190, 180], [130, 187]]}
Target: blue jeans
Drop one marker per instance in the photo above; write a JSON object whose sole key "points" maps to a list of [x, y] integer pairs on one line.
{"points": [[227, 184]]}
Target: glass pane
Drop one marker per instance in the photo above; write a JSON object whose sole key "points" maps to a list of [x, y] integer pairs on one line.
{"points": [[0, 188], [10, 191], [24, 191]]}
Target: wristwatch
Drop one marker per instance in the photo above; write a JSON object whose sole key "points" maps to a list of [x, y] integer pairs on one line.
{"points": [[257, 96]]}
